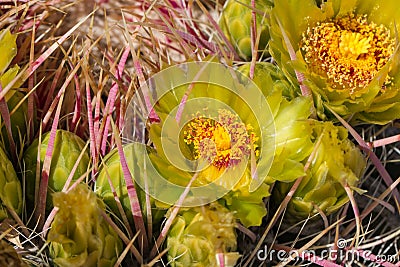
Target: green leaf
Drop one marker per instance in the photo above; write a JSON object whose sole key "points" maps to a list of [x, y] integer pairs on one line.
{"points": [[8, 48]]}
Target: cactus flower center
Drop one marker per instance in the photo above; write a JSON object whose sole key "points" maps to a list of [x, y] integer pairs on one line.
{"points": [[223, 142], [349, 51]]}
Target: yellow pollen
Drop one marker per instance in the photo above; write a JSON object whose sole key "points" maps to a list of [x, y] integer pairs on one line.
{"points": [[223, 142], [353, 44], [348, 51], [221, 138]]}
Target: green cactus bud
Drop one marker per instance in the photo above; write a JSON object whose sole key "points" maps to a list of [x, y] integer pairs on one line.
{"points": [[199, 234], [9, 257], [79, 236], [67, 148], [236, 21], [10, 187], [112, 169], [337, 162]]}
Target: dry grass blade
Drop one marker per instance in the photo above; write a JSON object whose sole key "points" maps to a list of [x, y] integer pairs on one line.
{"points": [[125, 252], [309, 244], [371, 207], [123, 237]]}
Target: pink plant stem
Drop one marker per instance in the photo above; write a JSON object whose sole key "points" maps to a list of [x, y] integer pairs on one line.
{"points": [[53, 85], [375, 160], [356, 214], [385, 141], [220, 259], [152, 114], [112, 96], [91, 128], [30, 88], [78, 103], [51, 49], [60, 93], [253, 35], [49, 220], [371, 207], [119, 205], [5, 114], [41, 208], [133, 199], [220, 33], [108, 110], [97, 122]]}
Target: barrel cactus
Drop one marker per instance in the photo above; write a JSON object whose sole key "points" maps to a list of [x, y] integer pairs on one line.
{"points": [[67, 148], [199, 234], [10, 187], [236, 21], [79, 236]]}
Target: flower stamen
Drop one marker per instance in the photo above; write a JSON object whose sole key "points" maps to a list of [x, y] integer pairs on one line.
{"points": [[348, 51], [223, 142]]}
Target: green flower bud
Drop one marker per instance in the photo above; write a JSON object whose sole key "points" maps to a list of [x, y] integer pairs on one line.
{"points": [[79, 236], [67, 148], [236, 21], [112, 169], [199, 234]]}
